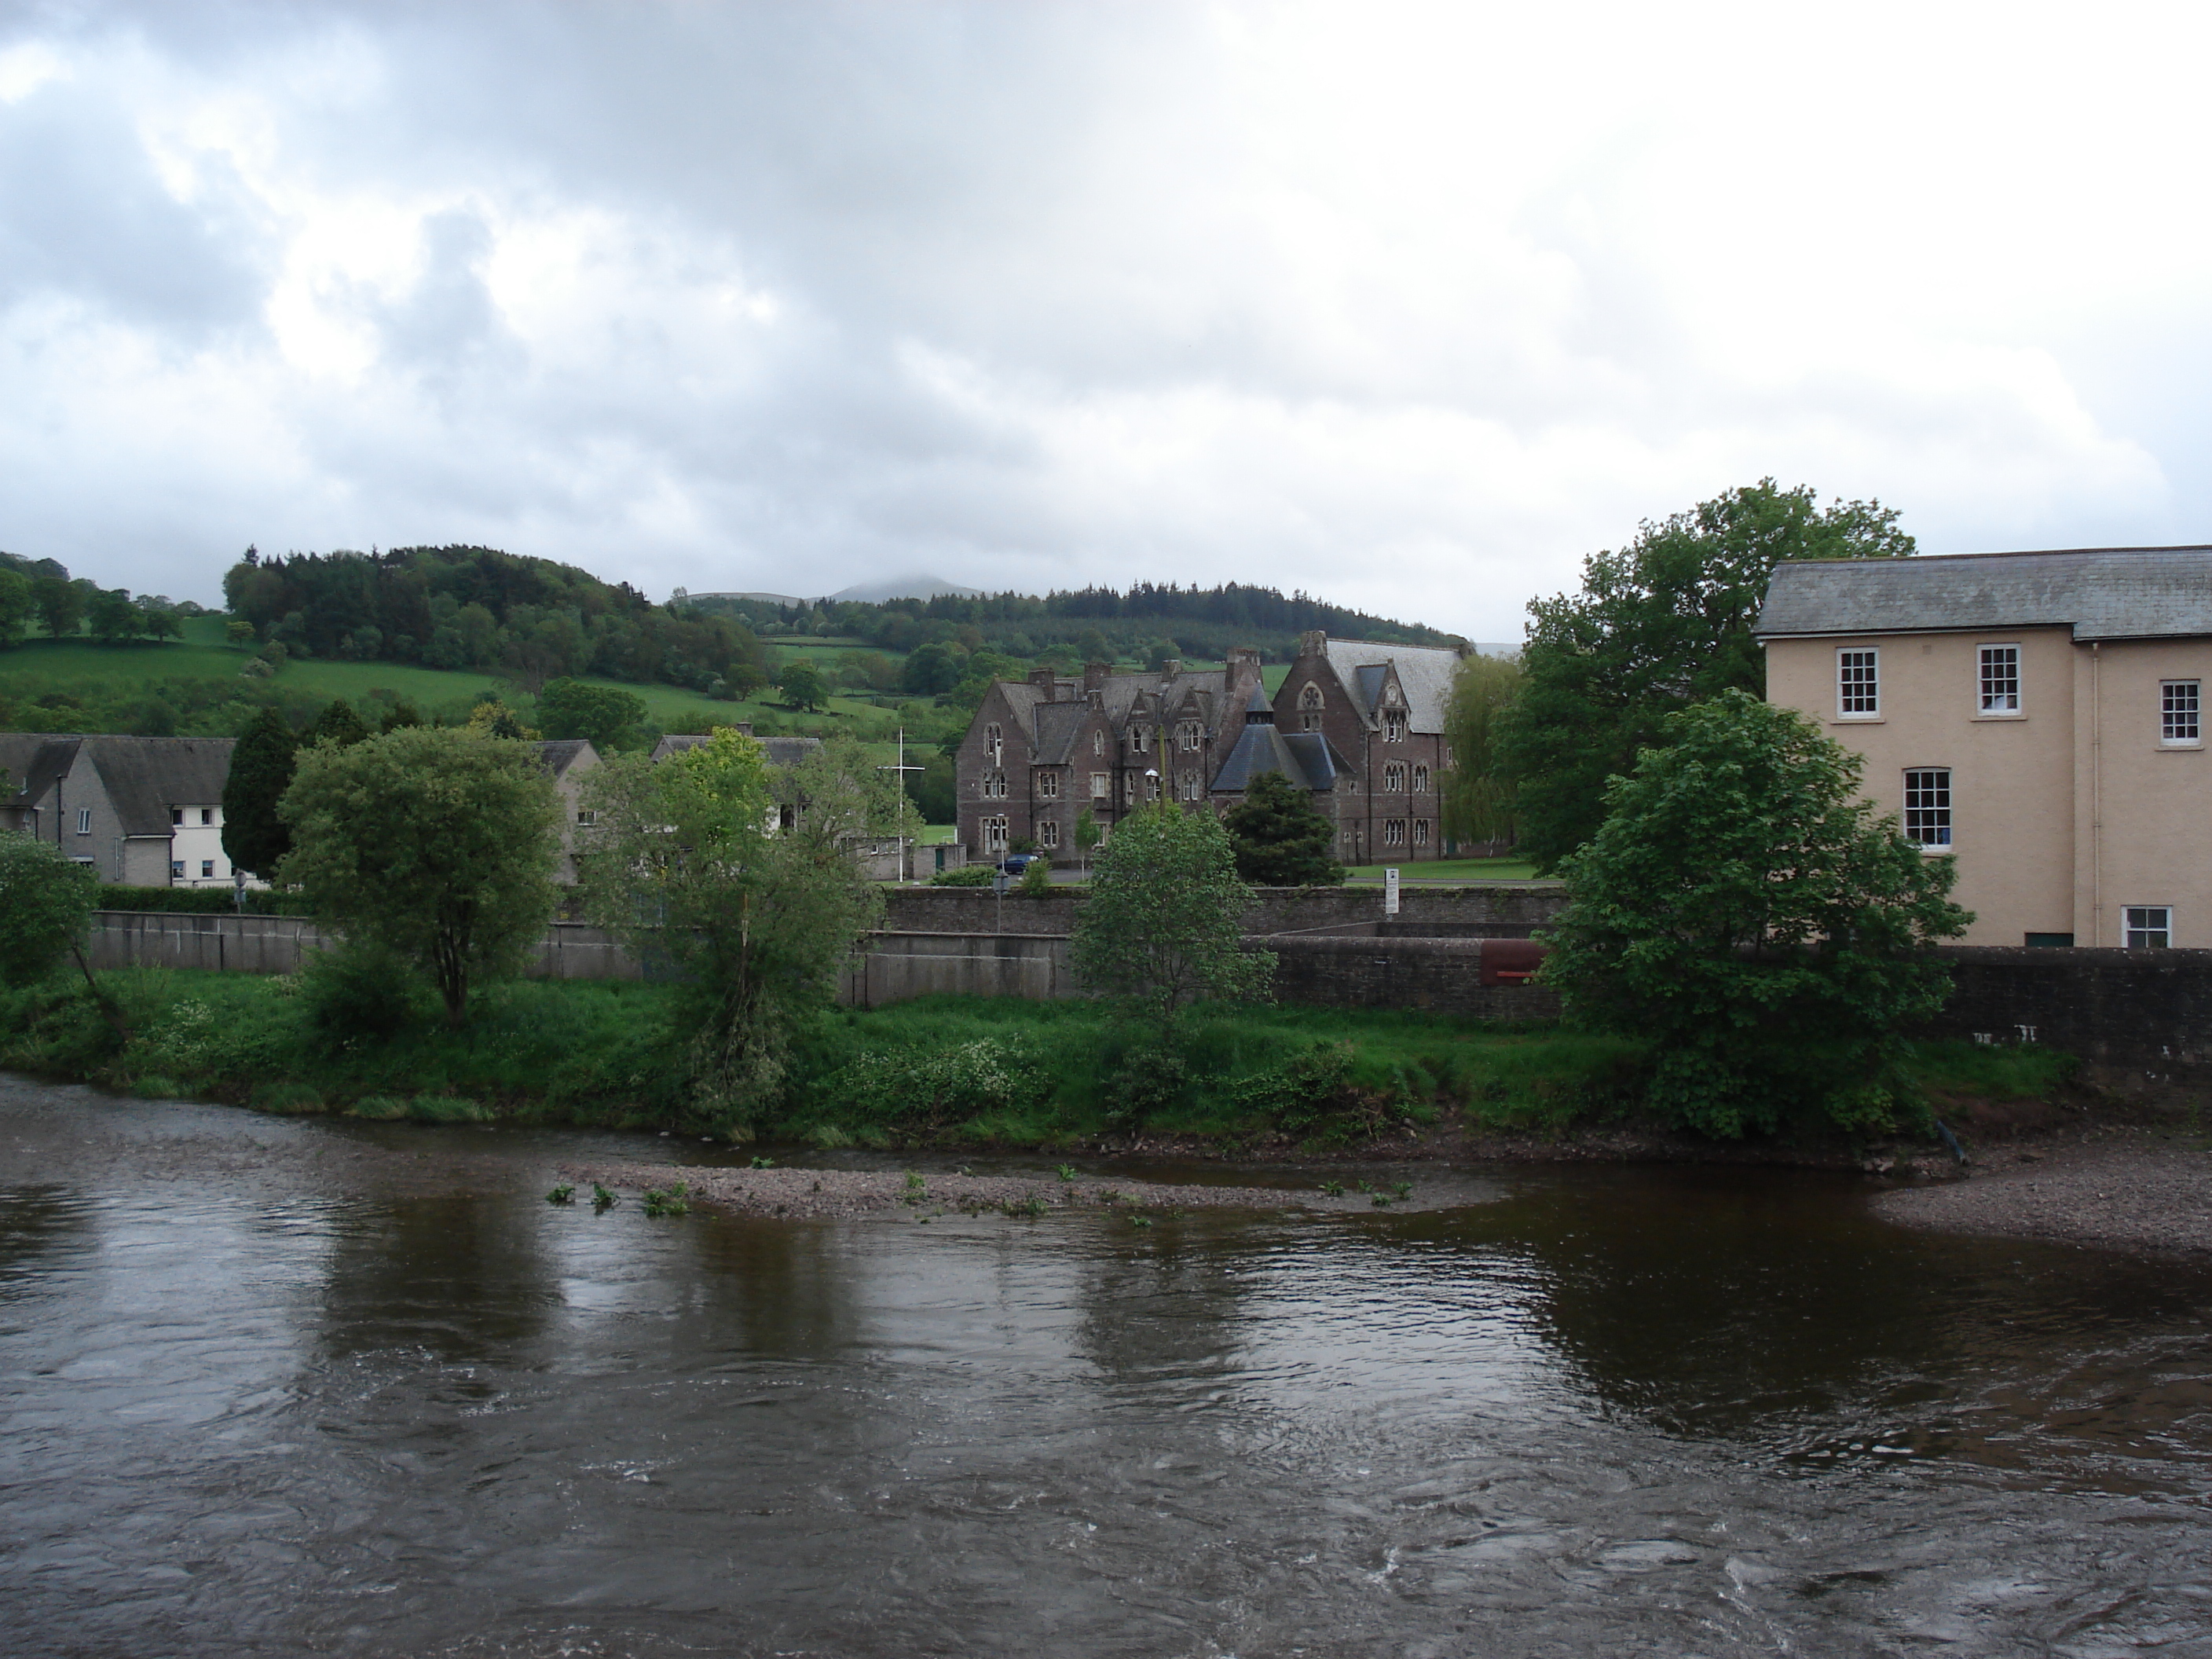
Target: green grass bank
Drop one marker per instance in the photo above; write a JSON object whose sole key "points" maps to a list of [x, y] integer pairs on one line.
{"points": [[948, 1071]]}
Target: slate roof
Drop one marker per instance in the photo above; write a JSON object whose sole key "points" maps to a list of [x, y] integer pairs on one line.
{"points": [[1051, 729], [1424, 671], [141, 777], [1305, 757], [2101, 593], [781, 751], [559, 754]]}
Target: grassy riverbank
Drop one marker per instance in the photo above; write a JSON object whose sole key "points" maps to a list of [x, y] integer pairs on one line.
{"points": [[956, 1070]]}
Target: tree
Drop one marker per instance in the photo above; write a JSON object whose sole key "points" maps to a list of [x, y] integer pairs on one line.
{"points": [[607, 716], [46, 905], [1659, 625], [434, 843], [163, 623], [687, 862], [802, 685], [1745, 908], [112, 616], [1088, 834], [1477, 797], [254, 837], [933, 668], [337, 724], [494, 719], [1281, 840], [18, 604], [1163, 923], [61, 606]]}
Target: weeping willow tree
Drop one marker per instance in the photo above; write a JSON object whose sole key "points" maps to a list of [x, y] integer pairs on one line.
{"points": [[745, 881], [1477, 800]]}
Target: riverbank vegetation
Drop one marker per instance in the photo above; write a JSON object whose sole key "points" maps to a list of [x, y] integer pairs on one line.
{"points": [[950, 1071]]}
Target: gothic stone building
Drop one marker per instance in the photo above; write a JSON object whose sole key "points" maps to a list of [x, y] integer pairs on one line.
{"points": [[1360, 724]]}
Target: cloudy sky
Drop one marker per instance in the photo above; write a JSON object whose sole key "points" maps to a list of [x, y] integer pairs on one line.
{"points": [[1410, 305]]}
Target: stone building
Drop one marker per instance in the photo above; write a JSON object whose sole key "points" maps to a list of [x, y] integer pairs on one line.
{"points": [[2038, 716], [1359, 725]]}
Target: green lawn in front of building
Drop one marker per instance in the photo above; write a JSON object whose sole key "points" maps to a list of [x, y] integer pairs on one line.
{"points": [[1452, 870]]}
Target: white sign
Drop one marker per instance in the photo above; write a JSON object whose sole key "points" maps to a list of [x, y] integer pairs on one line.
{"points": [[1390, 891]]}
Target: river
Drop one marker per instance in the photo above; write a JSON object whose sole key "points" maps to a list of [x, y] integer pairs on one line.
{"points": [[280, 1386]]}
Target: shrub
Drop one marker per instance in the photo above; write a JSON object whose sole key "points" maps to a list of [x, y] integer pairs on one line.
{"points": [[933, 1087], [1036, 878], [968, 875], [358, 993]]}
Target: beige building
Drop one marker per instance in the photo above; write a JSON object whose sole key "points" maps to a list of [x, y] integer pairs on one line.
{"points": [[2038, 715]]}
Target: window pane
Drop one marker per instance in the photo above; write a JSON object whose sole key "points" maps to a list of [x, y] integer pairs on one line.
{"points": [[2000, 679], [2147, 926], [1928, 806], [2177, 720], [1858, 688]]}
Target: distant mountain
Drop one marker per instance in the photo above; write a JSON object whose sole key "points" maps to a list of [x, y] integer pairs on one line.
{"points": [[904, 587]]}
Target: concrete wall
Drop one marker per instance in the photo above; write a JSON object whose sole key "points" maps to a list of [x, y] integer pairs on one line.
{"points": [[1445, 976], [1276, 909], [2123, 1007], [281, 945]]}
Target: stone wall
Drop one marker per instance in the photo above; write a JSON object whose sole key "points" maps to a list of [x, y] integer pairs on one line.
{"points": [[2109, 1005], [1424, 911], [1336, 970]]}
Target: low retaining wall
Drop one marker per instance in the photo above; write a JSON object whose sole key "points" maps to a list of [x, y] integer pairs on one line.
{"points": [[1430, 911], [281, 945], [2114, 1006], [1336, 970]]}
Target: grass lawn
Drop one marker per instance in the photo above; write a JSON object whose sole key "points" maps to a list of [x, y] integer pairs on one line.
{"points": [[1452, 870]]}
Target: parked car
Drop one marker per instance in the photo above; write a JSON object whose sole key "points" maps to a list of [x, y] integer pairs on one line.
{"points": [[1018, 862]]}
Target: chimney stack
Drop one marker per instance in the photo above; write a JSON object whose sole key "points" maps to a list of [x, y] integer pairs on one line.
{"points": [[1094, 675], [1313, 644]]}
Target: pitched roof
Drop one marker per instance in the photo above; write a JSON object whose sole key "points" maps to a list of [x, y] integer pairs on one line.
{"points": [[2101, 593], [559, 754], [144, 777], [1305, 757], [1424, 672], [34, 760]]}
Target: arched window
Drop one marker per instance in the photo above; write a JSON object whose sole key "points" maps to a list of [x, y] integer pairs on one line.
{"points": [[1394, 778], [1310, 697], [1140, 740], [1189, 735], [994, 786], [1097, 743], [1393, 726], [1420, 832], [994, 743], [1394, 832], [1420, 780]]}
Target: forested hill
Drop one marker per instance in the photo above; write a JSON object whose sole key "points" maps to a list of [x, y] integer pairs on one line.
{"points": [[476, 607], [1151, 620]]}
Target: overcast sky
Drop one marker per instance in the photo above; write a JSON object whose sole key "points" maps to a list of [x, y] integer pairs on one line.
{"points": [[1411, 305]]}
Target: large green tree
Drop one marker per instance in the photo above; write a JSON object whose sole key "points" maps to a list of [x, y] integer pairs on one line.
{"points": [[46, 903], [437, 844], [18, 604], [112, 617], [254, 836], [1658, 625], [607, 716], [61, 606], [1280, 839], [1745, 909], [1476, 796], [1163, 922], [803, 685], [689, 862], [337, 724]]}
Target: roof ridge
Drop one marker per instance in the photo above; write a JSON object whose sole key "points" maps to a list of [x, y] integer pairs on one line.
{"points": [[2015, 553]]}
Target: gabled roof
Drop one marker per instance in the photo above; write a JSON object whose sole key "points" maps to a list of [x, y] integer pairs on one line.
{"points": [[2101, 593], [1057, 726], [1305, 757], [559, 754], [1425, 674], [141, 777]]}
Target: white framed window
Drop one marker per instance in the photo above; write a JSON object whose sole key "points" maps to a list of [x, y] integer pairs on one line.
{"points": [[1393, 726], [1190, 786], [1420, 780], [84, 820], [2000, 680], [207, 815], [1928, 806], [995, 834], [206, 869], [1394, 778], [1858, 684], [1097, 743], [1152, 787], [2147, 926], [1420, 832], [1048, 833], [1140, 740], [1048, 786], [994, 744], [993, 787], [176, 869], [2179, 711], [1394, 832], [1102, 786], [1189, 735]]}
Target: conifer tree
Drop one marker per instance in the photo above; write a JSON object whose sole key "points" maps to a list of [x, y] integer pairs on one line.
{"points": [[253, 836], [337, 724], [1280, 838]]}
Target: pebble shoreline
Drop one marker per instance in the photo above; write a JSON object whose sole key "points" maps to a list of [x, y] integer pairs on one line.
{"points": [[2134, 1190], [799, 1195]]}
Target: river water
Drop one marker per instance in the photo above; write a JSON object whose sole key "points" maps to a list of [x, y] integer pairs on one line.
{"points": [[289, 1386]]}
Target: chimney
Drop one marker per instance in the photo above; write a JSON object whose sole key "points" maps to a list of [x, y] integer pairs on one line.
{"points": [[1313, 644], [1042, 678], [1173, 667], [1094, 675]]}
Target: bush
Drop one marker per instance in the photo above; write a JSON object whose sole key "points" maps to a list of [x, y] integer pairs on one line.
{"points": [[202, 900], [355, 993], [968, 875], [1036, 878], [930, 1088]]}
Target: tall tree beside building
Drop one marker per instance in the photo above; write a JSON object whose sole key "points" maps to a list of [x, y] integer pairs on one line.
{"points": [[1745, 911], [435, 843], [337, 724], [254, 837], [1279, 838], [1658, 625], [1477, 797], [687, 862]]}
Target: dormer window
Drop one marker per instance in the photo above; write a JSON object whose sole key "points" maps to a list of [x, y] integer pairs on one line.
{"points": [[1140, 740], [1393, 726]]}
